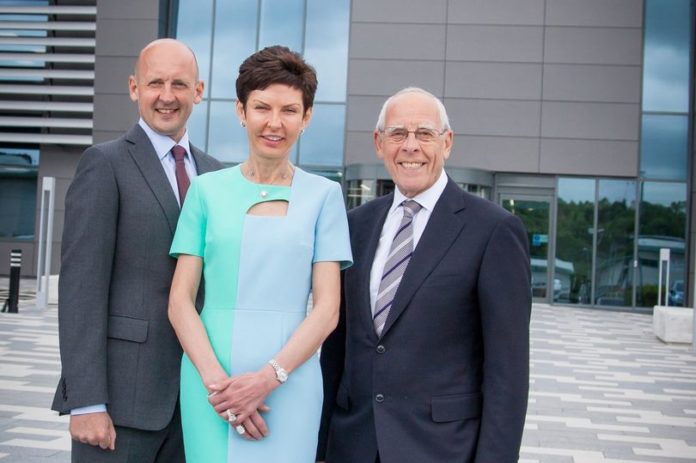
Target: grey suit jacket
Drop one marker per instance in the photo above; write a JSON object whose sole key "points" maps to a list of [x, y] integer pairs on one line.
{"points": [[117, 346], [447, 380]]}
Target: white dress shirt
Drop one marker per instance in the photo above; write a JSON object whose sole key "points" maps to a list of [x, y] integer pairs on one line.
{"points": [[427, 200], [163, 147]]}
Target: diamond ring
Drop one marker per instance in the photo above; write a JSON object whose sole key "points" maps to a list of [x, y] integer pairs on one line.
{"points": [[231, 417], [240, 429]]}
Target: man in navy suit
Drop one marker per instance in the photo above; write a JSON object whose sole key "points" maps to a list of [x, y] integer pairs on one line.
{"points": [[430, 363]]}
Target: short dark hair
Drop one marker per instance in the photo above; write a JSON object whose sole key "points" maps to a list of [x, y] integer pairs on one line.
{"points": [[276, 65]]}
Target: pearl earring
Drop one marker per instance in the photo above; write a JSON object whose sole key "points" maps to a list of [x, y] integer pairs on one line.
{"points": [[242, 123]]}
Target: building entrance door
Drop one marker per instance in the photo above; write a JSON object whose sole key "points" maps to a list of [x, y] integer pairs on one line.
{"points": [[535, 213]]}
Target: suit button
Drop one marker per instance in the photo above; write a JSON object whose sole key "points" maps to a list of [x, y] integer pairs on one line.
{"points": [[379, 398], [381, 349]]}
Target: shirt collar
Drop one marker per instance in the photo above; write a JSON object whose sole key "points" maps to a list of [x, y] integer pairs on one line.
{"points": [[427, 198], [162, 143]]}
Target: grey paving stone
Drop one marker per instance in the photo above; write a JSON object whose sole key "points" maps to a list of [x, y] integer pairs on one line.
{"points": [[603, 389]]}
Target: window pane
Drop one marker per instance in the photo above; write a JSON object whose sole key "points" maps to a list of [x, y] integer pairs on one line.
{"points": [[18, 174], [226, 139], [322, 142], [615, 226], [196, 125], [662, 225], [667, 39], [664, 147], [282, 23], [359, 192], [235, 40], [326, 46], [194, 28], [574, 229]]}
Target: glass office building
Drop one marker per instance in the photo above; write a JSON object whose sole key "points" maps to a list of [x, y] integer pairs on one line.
{"points": [[575, 116]]}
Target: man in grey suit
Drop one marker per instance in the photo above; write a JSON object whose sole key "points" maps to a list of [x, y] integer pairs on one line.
{"points": [[430, 359], [120, 356]]}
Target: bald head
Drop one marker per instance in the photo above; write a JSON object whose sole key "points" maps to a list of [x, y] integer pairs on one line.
{"points": [[165, 85], [165, 45]]}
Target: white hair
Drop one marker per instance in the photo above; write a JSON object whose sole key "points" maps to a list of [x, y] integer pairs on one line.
{"points": [[440, 107]]}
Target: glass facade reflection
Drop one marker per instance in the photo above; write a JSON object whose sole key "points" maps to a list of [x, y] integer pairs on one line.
{"points": [[574, 240], [322, 142], [666, 55], [664, 146], [18, 174], [616, 215], [599, 261], [224, 32], [535, 215], [662, 225]]}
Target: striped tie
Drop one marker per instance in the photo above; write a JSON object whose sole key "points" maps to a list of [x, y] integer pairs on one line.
{"points": [[399, 257]]}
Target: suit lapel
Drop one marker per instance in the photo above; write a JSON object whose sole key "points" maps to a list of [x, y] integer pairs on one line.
{"points": [[145, 157], [368, 231], [202, 163], [444, 226]]}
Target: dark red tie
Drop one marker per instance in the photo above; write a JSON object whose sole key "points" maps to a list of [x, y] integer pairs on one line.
{"points": [[182, 179]]}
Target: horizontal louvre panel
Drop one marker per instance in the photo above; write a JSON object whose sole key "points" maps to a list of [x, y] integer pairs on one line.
{"points": [[45, 122], [47, 73], [46, 106], [58, 139], [49, 41], [48, 57], [43, 9], [32, 77], [48, 26], [46, 90]]}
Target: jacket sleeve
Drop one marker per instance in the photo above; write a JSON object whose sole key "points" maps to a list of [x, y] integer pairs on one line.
{"points": [[504, 291], [89, 241]]}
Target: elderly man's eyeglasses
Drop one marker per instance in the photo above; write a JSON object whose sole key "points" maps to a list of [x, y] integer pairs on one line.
{"points": [[422, 134]]}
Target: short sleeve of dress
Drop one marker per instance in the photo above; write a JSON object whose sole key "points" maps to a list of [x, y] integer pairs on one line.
{"points": [[331, 240], [189, 237]]}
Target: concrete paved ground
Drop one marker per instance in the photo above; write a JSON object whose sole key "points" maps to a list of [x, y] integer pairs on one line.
{"points": [[603, 389]]}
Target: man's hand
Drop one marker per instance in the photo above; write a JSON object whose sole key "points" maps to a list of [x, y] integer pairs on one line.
{"points": [[93, 429]]}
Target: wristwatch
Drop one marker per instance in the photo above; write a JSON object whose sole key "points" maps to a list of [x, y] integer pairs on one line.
{"points": [[281, 374]]}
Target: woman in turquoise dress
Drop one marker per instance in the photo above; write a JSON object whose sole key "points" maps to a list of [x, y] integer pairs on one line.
{"points": [[263, 234]]}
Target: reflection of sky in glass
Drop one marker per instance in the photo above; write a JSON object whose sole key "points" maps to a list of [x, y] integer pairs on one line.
{"points": [[235, 40], [322, 142], [282, 23], [666, 71], [23, 33], [664, 147], [194, 27], [196, 125], [664, 194], [20, 156], [227, 140], [326, 46], [618, 191], [576, 189]]}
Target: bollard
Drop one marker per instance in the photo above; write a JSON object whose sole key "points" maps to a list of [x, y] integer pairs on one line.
{"points": [[12, 302]]}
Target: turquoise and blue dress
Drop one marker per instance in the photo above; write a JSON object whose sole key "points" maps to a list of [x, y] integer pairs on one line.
{"points": [[257, 272]]}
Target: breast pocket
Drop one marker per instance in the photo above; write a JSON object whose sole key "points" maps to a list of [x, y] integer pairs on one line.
{"points": [[456, 407]]}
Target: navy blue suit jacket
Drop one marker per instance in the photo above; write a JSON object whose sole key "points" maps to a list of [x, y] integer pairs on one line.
{"points": [[447, 381]]}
